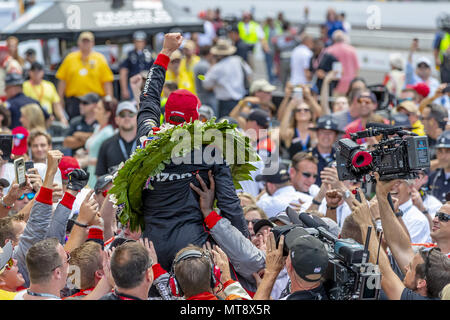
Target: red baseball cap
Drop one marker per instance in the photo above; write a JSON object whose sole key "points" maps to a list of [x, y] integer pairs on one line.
{"points": [[20, 145], [421, 88], [67, 165], [184, 104]]}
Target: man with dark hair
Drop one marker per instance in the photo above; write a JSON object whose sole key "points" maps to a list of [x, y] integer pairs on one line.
{"points": [[131, 268], [170, 208]]}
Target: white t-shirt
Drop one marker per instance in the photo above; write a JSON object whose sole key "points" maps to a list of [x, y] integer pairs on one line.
{"points": [[300, 60], [281, 199]]}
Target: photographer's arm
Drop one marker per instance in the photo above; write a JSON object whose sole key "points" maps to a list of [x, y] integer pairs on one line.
{"points": [[394, 233], [390, 282]]}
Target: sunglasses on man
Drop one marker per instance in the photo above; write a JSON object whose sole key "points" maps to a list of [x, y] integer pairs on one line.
{"points": [[443, 216], [29, 195], [309, 175], [127, 114]]}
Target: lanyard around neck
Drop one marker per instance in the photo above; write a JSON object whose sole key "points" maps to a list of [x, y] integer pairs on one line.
{"points": [[46, 295], [124, 151]]}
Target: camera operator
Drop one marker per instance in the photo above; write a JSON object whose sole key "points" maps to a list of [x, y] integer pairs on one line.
{"points": [[306, 263], [438, 181], [426, 274]]}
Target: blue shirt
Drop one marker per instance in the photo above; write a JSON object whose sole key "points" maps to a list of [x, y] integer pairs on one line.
{"points": [[137, 62], [14, 105]]}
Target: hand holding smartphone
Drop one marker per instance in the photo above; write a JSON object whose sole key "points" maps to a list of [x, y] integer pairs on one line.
{"points": [[19, 168]]}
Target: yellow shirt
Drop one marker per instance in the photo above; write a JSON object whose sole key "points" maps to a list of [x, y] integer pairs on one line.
{"points": [[189, 70], [83, 77], [45, 93], [7, 295], [183, 80]]}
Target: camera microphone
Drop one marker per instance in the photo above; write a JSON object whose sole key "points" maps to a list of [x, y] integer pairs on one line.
{"points": [[308, 221]]}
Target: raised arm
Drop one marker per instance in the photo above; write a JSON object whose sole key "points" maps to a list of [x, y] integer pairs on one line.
{"points": [[150, 98], [390, 282], [394, 234]]}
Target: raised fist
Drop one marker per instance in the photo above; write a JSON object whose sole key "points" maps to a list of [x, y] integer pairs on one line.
{"points": [[172, 41], [78, 179]]}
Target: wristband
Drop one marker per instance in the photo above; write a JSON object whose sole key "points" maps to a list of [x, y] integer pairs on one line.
{"points": [[332, 208], [317, 203], [425, 211], [5, 205], [80, 224]]}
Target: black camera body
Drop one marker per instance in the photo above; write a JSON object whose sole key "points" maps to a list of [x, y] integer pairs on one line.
{"points": [[399, 157], [348, 275]]}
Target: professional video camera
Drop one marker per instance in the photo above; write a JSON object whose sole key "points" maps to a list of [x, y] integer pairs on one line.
{"points": [[399, 157], [349, 276]]}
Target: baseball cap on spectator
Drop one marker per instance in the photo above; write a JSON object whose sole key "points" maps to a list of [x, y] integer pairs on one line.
{"points": [[20, 146], [281, 217], [444, 140], [126, 105], [396, 60], [184, 104], [4, 183], [409, 106], [90, 98], [261, 117], [424, 60], [401, 120], [6, 254], [67, 165], [261, 223], [223, 47], [421, 88], [327, 122], [103, 181], [139, 35], [261, 85], [281, 176], [36, 66], [86, 35], [308, 254], [13, 79]]}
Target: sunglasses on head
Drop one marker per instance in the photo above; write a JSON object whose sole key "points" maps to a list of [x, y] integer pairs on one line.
{"points": [[443, 216], [309, 175], [30, 196], [67, 261]]}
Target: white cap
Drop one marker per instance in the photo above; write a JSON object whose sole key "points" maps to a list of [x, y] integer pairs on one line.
{"points": [[126, 105], [424, 60]]}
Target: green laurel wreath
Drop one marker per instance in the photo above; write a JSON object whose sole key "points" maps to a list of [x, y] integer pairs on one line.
{"points": [[132, 177]]}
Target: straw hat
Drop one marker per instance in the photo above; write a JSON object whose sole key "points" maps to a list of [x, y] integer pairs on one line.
{"points": [[223, 48]]}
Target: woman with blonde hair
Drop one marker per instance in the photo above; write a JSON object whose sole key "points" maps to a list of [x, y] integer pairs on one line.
{"points": [[32, 117]]}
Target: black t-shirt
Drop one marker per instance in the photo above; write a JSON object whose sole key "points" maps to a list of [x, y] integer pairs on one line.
{"points": [[111, 153], [408, 294], [314, 294]]}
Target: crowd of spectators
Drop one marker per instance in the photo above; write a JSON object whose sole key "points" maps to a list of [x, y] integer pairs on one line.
{"points": [[60, 237]]}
